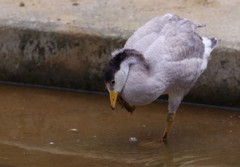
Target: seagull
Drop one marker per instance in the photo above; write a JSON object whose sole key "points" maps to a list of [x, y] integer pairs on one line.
{"points": [[164, 56]]}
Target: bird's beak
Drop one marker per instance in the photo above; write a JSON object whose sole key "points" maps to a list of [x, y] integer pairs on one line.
{"points": [[113, 98]]}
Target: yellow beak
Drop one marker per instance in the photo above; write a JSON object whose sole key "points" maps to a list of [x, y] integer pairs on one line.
{"points": [[113, 98]]}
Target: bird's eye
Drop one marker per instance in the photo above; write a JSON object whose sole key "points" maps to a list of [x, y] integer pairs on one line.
{"points": [[113, 82]]}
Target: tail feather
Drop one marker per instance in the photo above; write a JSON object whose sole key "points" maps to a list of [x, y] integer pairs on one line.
{"points": [[213, 42], [209, 42], [209, 45]]}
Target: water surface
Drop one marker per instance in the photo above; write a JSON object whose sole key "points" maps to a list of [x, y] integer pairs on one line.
{"points": [[50, 128]]}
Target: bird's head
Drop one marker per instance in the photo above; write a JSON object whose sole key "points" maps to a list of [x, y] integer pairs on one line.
{"points": [[116, 75], [117, 71]]}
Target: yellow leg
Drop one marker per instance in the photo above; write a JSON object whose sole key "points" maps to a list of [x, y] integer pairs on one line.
{"points": [[170, 120]]}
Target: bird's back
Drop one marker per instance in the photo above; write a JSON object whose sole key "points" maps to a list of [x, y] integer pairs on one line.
{"points": [[167, 37]]}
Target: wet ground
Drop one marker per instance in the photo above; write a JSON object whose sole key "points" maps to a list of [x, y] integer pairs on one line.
{"points": [[50, 128]]}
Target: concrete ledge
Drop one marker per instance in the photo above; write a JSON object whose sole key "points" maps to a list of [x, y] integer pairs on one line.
{"points": [[220, 83], [54, 51], [55, 59]]}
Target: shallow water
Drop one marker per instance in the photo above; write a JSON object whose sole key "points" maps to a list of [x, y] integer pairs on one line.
{"points": [[50, 128]]}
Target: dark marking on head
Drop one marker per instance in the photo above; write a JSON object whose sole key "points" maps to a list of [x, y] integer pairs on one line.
{"points": [[109, 74], [115, 62]]}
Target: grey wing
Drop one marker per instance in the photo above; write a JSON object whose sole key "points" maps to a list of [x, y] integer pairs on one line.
{"points": [[148, 33], [177, 41]]}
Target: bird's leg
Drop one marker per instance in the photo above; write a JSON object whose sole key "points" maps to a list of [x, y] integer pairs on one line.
{"points": [[170, 120], [174, 102]]}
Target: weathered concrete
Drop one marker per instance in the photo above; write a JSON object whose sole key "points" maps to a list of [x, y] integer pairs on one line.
{"points": [[67, 42], [51, 58]]}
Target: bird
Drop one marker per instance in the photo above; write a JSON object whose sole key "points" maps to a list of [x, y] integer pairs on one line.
{"points": [[164, 56]]}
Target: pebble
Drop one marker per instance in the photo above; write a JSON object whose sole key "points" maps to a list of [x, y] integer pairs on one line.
{"points": [[22, 4], [73, 130], [51, 142], [133, 139]]}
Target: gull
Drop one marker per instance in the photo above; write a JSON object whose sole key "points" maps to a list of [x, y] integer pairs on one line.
{"points": [[164, 56]]}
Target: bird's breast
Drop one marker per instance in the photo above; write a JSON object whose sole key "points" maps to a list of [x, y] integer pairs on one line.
{"points": [[138, 96], [140, 88]]}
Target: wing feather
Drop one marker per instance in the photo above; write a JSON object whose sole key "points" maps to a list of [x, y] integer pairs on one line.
{"points": [[143, 37], [167, 37]]}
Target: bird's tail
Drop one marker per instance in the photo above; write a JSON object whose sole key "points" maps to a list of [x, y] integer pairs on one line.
{"points": [[209, 45]]}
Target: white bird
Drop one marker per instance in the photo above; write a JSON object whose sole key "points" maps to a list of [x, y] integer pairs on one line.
{"points": [[164, 56]]}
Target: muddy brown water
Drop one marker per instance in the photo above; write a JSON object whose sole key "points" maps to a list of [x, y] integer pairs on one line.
{"points": [[50, 128]]}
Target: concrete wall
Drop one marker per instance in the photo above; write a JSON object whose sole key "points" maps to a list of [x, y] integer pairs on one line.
{"points": [[53, 58], [220, 83]]}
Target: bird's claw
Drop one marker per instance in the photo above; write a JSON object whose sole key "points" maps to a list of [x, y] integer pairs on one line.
{"points": [[164, 138]]}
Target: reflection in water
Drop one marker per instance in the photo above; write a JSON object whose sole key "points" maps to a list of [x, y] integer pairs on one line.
{"points": [[76, 129]]}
